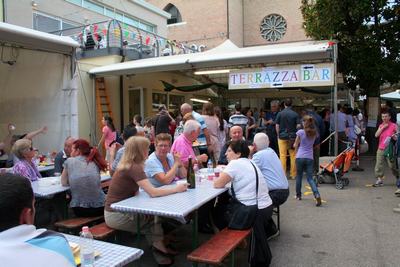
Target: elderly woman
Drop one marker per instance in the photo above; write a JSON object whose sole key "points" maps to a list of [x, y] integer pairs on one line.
{"points": [[163, 167], [25, 166], [242, 172], [82, 173], [125, 183]]}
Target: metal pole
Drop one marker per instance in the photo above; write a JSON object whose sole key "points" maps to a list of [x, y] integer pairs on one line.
{"points": [[335, 98]]}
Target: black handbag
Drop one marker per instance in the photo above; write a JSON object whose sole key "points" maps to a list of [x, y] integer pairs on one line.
{"points": [[242, 216]]}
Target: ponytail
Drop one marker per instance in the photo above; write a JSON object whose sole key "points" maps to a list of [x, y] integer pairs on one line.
{"points": [[95, 156]]}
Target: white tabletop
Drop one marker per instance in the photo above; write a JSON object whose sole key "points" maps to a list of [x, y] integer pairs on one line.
{"points": [[176, 206], [48, 186], [111, 255]]}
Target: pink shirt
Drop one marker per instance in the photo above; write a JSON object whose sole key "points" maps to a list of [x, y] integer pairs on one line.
{"points": [[109, 136], [184, 147], [388, 132]]}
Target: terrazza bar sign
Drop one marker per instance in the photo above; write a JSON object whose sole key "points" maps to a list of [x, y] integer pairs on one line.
{"points": [[283, 76]]}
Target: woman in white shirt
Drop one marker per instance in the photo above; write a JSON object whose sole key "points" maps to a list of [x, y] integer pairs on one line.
{"points": [[241, 172]]}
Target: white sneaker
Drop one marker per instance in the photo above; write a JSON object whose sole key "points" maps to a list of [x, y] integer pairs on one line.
{"points": [[397, 192], [396, 210], [378, 183]]}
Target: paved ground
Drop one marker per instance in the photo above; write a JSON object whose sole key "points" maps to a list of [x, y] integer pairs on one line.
{"points": [[354, 227]]}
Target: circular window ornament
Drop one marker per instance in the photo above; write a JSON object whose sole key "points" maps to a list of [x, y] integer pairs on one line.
{"points": [[273, 27]]}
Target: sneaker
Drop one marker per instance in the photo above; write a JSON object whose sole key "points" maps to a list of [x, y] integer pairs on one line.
{"points": [[396, 210], [319, 201], [297, 197], [397, 193], [378, 183], [269, 237]]}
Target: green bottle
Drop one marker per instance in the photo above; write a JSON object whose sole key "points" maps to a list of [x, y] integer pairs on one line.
{"points": [[191, 175]]}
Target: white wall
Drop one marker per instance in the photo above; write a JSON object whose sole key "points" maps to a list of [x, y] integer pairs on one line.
{"points": [[32, 95]]}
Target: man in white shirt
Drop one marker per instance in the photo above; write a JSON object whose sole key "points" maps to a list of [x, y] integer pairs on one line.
{"points": [[269, 164], [21, 244]]}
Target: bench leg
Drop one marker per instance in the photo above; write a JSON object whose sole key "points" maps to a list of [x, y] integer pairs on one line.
{"points": [[233, 258], [278, 220]]}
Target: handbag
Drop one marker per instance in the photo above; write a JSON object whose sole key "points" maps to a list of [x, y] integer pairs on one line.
{"points": [[242, 216]]}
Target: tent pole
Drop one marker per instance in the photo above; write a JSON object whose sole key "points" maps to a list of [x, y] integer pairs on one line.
{"points": [[335, 97]]}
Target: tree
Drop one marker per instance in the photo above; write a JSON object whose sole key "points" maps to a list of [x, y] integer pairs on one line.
{"points": [[368, 34]]}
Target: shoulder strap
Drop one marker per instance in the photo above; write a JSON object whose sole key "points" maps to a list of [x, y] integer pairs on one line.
{"points": [[233, 191]]}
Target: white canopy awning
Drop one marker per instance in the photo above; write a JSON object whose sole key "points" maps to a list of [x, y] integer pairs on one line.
{"points": [[395, 96], [32, 39], [227, 54]]}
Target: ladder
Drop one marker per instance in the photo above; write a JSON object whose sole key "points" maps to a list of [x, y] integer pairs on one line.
{"points": [[103, 105]]}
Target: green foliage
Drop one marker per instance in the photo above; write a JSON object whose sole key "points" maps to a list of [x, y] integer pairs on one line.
{"points": [[368, 35]]}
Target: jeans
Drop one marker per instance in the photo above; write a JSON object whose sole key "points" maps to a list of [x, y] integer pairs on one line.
{"points": [[305, 165]]}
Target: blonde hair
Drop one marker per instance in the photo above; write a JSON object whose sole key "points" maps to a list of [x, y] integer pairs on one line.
{"points": [[134, 148], [309, 126], [20, 146]]}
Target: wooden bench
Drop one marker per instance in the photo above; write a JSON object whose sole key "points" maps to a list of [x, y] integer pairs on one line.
{"points": [[102, 231], [75, 224], [215, 250]]}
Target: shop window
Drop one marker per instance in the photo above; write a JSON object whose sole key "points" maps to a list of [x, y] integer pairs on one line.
{"points": [[175, 14], [158, 100], [175, 102]]}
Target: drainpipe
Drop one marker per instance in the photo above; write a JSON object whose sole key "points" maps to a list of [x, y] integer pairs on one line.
{"points": [[227, 18]]}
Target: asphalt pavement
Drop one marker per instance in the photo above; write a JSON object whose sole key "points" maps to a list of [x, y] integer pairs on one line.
{"points": [[354, 227]]}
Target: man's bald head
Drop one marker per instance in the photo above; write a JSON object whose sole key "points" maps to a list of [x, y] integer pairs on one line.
{"points": [[186, 108], [236, 133]]}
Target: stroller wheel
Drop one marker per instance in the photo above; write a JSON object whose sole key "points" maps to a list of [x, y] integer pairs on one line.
{"points": [[346, 181], [339, 185]]}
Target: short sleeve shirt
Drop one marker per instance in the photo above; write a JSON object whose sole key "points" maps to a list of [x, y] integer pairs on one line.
{"points": [[203, 125], [161, 124], [124, 184], [388, 132], [244, 183], [287, 120], [306, 145], [109, 136], [153, 166], [184, 147], [84, 180], [118, 158]]}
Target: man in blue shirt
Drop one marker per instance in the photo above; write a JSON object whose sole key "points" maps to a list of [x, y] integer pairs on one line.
{"points": [[270, 118], [268, 162], [287, 123]]}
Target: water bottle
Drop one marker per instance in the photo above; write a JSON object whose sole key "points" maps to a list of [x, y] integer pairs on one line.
{"points": [[210, 170], [87, 250], [197, 172]]}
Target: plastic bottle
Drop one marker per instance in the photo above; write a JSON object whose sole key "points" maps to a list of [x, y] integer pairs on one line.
{"points": [[87, 249], [197, 172]]}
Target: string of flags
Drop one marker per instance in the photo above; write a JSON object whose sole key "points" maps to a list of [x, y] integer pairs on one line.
{"points": [[101, 29]]}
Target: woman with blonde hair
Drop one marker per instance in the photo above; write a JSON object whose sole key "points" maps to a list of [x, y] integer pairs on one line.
{"points": [[304, 156], [125, 183]]}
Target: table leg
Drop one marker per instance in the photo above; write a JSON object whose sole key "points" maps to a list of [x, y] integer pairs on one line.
{"points": [[195, 233], [138, 229]]}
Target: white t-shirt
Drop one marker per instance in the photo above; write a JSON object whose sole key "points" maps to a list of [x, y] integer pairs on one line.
{"points": [[244, 183]]}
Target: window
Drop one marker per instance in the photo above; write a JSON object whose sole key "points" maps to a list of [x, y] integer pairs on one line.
{"points": [[131, 21], [109, 12], [93, 6], [175, 14], [46, 23], [175, 102], [273, 27], [158, 100]]}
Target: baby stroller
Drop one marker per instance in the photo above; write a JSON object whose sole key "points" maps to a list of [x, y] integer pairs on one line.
{"points": [[332, 169]]}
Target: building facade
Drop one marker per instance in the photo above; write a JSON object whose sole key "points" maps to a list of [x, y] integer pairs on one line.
{"points": [[245, 22]]}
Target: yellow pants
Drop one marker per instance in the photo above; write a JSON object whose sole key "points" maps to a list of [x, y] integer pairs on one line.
{"points": [[283, 151]]}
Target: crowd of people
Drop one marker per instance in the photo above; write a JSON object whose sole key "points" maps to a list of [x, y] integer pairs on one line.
{"points": [[253, 145]]}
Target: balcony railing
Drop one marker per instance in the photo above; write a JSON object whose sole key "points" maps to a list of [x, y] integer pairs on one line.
{"points": [[112, 33]]}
